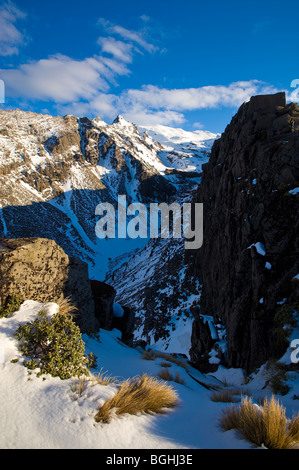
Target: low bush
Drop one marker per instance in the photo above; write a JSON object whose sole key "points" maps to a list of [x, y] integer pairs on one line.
{"points": [[264, 425], [144, 394], [11, 304], [54, 345]]}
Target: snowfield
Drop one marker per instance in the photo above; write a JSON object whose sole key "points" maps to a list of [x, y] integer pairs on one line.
{"points": [[49, 413]]}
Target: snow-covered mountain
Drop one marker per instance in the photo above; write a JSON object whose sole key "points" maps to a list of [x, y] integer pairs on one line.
{"points": [[183, 150], [54, 171]]}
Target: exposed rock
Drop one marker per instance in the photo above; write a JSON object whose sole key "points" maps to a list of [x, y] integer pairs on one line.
{"points": [[104, 296], [38, 269], [250, 249], [125, 324], [201, 339]]}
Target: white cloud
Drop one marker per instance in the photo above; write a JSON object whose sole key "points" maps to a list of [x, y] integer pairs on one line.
{"points": [[10, 37], [135, 37], [103, 105], [82, 87], [61, 79], [73, 83], [153, 105], [146, 117], [118, 49], [190, 99]]}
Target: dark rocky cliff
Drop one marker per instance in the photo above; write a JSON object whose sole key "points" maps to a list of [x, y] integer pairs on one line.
{"points": [[249, 257]]}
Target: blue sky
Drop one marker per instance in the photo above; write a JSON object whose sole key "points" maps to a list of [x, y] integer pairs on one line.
{"points": [[186, 64]]}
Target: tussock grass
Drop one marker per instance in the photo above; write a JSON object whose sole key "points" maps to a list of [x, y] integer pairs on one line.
{"points": [[228, 395], [151, 355], [265, 425], [165, 364], [143, 394], [165, 374], [103, 379], [66, 307], [80, 385]]}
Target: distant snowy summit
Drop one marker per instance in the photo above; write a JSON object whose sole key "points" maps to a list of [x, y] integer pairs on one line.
{"points": [[178, 138]]}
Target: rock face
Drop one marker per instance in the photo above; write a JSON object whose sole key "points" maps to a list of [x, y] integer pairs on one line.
{"points": [[38, 269], [104, 296], [249, 257]]}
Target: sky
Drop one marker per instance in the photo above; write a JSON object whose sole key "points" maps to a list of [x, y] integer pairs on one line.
{"points": [[187, 64]]}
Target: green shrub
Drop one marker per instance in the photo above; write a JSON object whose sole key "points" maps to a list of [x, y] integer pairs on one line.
{"points": [[12, 303], [54, 345], [92, 361]]}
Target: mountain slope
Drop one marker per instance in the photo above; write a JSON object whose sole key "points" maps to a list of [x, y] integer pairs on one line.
{"points": [[54, 171]]}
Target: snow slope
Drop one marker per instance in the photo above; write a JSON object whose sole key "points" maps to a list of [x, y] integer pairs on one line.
{"points": [[183, 150], [48, 413]]}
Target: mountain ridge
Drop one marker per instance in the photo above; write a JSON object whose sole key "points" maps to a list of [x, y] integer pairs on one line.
{"points": [[64, 166]]}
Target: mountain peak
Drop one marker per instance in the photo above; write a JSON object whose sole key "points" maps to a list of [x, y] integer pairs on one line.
{"points": [[120, 120]]}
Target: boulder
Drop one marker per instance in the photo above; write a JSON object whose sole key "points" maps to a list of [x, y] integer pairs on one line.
{"points": [[38, 269]]}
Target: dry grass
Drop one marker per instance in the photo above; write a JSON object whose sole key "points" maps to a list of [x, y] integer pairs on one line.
{"points": [[143, 394], [228, 395], [151, 355], [165, 364], [79, 386], [103, 379], [264, 425], [165, 374], [66, 307]]}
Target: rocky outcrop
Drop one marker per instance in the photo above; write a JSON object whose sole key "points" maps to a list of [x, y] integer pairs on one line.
{"points": [[38, 269], [104, 296], [249, 257], [125, 324]]}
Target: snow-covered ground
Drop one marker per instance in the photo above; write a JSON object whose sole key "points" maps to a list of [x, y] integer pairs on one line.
{"points": [[48, 413]]}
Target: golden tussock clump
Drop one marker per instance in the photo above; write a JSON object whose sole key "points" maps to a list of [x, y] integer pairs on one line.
{"points": [[265, 425], [143, 394]]}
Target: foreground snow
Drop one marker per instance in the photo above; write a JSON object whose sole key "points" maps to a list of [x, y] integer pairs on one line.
{"points": [[49, 413]]}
